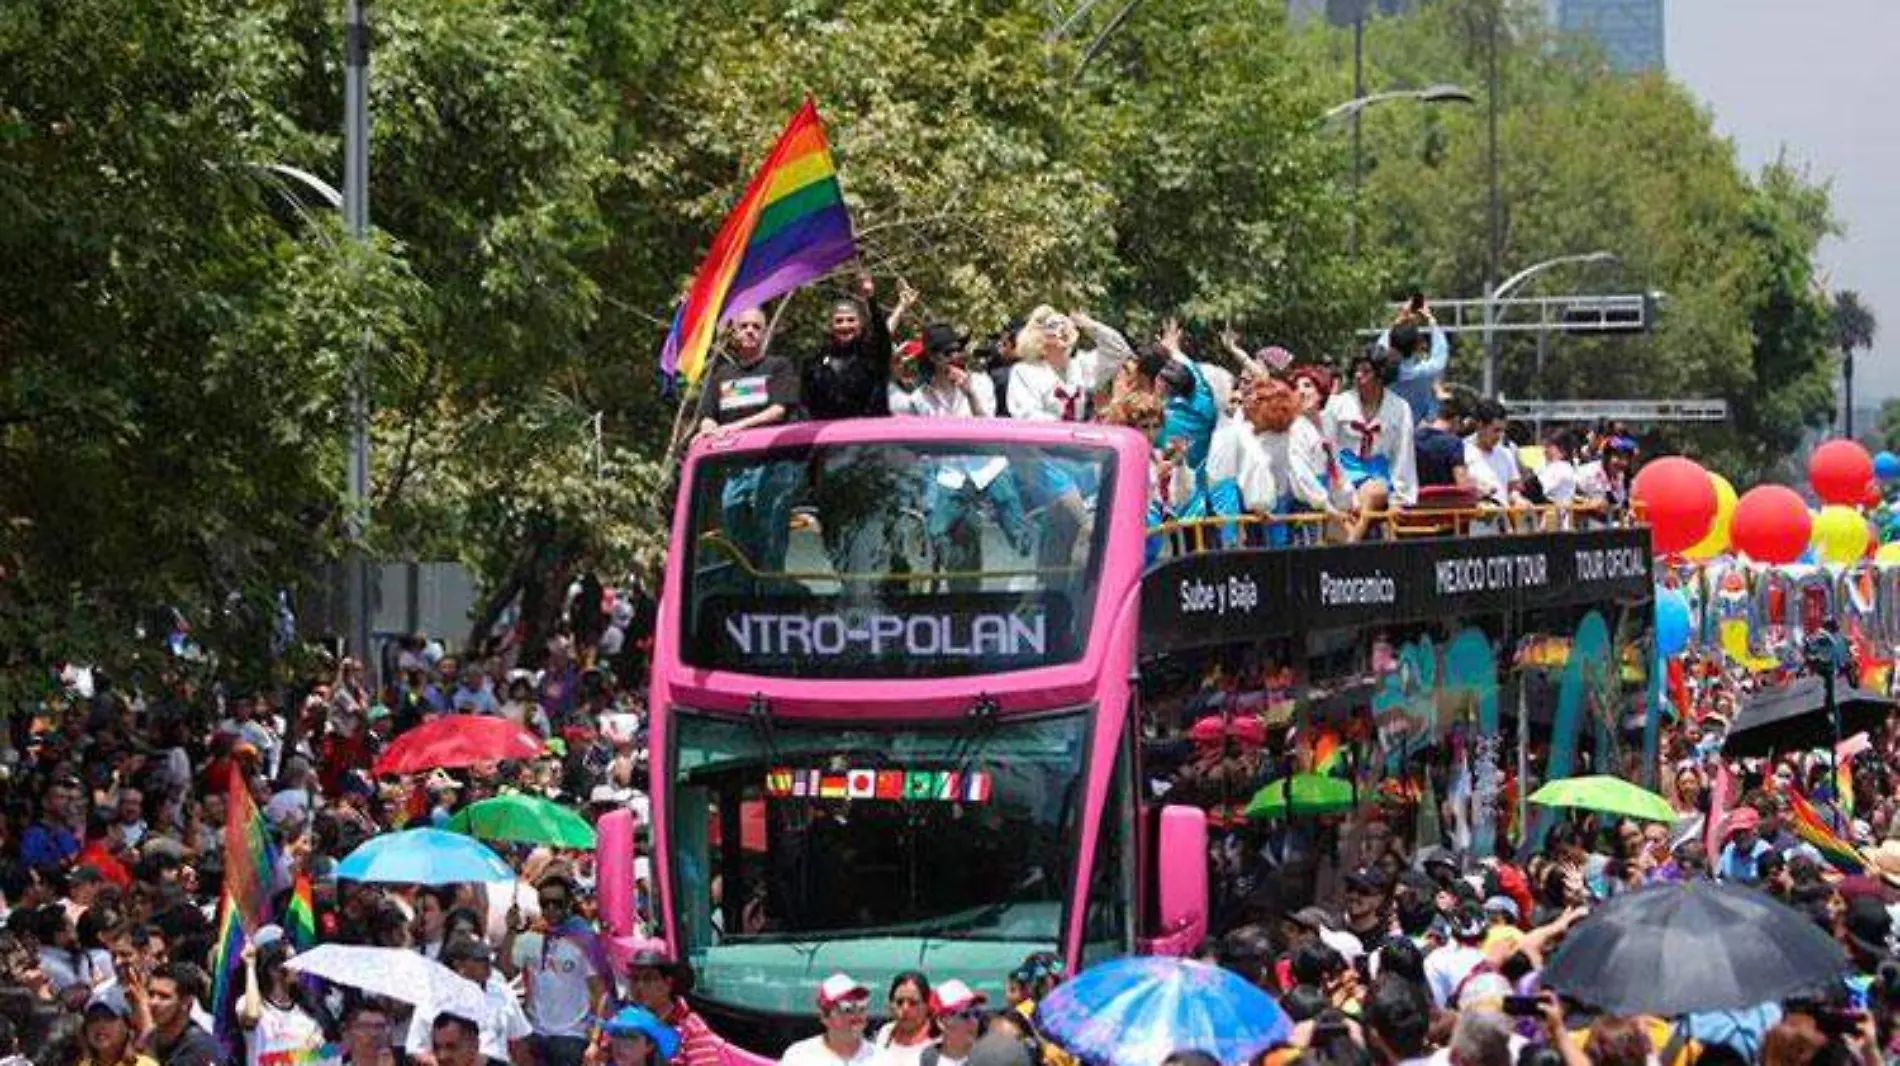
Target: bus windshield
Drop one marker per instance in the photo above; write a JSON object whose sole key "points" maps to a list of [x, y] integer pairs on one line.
{"points": [[893, 559], [803, 850]]}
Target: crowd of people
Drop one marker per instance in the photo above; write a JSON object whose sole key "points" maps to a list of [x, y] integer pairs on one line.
{"points": [[1262, 433], [114, 837]]}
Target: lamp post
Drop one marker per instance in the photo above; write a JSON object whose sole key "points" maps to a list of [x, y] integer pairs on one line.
{"points": [[1504, 288], [356, 222], [1350, 109]]}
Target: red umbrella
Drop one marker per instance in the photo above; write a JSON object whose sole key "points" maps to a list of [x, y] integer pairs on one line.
{"points": [[457, 740]]}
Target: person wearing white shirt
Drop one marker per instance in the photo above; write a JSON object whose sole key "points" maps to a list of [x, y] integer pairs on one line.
{"points": [[1371, 430], [504, 1025], [1491, 459], [1295, 454], [1052, 380], [843, 1005], [1558, 478]]}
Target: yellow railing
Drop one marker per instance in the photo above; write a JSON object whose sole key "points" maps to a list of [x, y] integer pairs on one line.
{"points": [[1212, 533]]}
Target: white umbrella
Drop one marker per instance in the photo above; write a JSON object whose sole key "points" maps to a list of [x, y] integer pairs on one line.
{"points": [[394, 973]]}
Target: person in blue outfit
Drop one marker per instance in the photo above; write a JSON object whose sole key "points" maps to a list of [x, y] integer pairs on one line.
{"points": [[1423, 353]]}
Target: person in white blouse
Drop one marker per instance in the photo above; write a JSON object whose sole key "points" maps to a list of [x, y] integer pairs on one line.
{"points": [[1054, 380], [1371, 429], [1296, 456]]}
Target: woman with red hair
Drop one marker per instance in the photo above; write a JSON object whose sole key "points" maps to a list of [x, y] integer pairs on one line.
{"points": [[1297, 461]]}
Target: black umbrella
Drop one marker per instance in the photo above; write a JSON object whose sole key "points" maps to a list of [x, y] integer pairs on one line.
{"points": [[1670, 950], [1794, 717]]}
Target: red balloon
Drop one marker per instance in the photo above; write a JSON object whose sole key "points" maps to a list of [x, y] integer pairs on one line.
{"points": [[1678, 501], [1872, 497], [1771, 525], [1839, 471]]}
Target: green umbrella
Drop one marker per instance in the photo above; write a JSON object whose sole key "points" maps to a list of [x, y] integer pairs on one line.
{"points": [[1312, 794], [1605, 795], [524, 819]]}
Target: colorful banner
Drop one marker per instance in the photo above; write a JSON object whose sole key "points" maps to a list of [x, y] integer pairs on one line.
{"points": [[915, 786]]}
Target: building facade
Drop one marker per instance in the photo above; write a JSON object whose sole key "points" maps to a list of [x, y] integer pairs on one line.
{"points": [[1629, 31]]}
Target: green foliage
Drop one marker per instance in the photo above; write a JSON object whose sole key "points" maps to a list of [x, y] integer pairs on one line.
{"points": [[177, 328]]}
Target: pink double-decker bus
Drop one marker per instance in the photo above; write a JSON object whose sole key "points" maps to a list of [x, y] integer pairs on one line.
{"points": [[894, 720], [891, 722]]}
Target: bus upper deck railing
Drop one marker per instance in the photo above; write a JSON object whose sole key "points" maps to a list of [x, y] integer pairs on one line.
{"points": [[1225, 533]]}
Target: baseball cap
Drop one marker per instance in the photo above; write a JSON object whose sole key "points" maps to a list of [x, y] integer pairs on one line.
{"points": [[954, 997], [1366, 877], [1504, 905], [840, 988], [467, 949], [267, 935], [1313, 918], [109, 999]]}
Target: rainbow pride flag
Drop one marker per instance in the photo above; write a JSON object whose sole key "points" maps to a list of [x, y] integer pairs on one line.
{"points": [[250, 866], [1808, 824], [300, 915], [789, 229]]}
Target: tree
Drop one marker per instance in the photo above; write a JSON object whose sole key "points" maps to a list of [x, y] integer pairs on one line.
{"points": [[1854, 328]]}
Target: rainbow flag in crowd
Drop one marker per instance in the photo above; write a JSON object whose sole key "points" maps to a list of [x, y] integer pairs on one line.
{"points": [[250, 865], [790, 228], [1808, 824], [300, 916], [1329, 754]]}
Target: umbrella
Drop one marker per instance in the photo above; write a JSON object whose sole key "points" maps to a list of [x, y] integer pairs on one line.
{"points": [[423, 857], [1699, 946], [1606, 795], [455, 740], [1136, 1011], [1312, 794], [1794, 717], [395, 973], [524, 819]]}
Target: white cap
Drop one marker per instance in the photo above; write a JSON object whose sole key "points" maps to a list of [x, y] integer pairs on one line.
{"points": [[954, 997], [1343, 942], [839, 988]]}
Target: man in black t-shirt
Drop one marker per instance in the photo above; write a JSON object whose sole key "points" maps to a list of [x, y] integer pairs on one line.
{"points": [[752, 389]]}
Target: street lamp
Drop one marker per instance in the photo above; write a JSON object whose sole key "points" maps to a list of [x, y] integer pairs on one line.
{"points": [[1504, 288], [1431, 94]]}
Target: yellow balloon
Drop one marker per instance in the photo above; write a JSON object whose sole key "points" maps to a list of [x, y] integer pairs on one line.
{"points": [[1716, 542], [1840, 535], [1888, 553]]}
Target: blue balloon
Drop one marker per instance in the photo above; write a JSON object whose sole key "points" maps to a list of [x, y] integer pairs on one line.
{"points": [[1887, 466], [1672, 621]]}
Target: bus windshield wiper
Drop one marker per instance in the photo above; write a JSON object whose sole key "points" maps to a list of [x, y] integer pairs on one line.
{"points": [[969, 743], [760, 712]]}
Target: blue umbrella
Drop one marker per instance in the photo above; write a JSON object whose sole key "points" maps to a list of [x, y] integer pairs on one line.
{"points": [[1136, 1011], [424, 857]]}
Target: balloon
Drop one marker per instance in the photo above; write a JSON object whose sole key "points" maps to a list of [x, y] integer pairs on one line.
{"points": [[1887, 466], [1718, 538], [1840, 535], [1871, 498], [1839, 471], [1672, 621], [1888, 553], [1678, 501], [1771, 525]]}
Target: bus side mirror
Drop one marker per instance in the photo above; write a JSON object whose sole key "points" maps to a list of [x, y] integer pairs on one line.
{"points": [[613, 871], [1181, 869]]}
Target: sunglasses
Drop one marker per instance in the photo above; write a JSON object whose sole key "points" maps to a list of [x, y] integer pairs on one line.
{"points": [[553, 901], [850, 1008]]}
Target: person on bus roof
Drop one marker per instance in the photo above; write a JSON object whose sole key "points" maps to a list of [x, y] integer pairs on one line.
{"points": [[1052, 381], [750, 388], [849, 376], [1371, 430]]}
